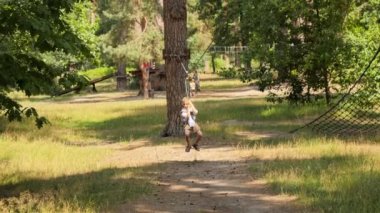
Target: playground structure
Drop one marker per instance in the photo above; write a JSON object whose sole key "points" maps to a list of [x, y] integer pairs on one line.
{"points": [[228, 49], [92, 82], [227, 52], [157, 81], [156, 77]]}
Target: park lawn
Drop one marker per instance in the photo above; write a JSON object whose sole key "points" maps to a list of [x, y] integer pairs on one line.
{"points": [[65, 166], [326, 174], [214, 82]]}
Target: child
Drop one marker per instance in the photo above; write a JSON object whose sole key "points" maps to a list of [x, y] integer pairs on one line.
{"points": [[188, 114], [192, 87]]}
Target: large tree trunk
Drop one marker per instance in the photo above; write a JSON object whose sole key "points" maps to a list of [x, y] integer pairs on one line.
{"points": [[175, 52], [121, 77]]}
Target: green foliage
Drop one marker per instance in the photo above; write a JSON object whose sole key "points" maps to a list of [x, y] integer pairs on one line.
{"points": [[299, 44], [362, 31], [134, 83], [219, 64], [196, 61], [84, 23], [199, 37], [230, 72], [121, 29], [30, 29]]}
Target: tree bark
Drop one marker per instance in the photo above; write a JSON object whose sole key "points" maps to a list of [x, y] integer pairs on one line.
{"points": [[213, 62], [237, 58], [145, 81], [121, 77], [175, 53], [327, 86]]}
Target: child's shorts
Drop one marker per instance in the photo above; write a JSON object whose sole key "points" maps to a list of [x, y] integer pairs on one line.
{"points": [[196, 129]]}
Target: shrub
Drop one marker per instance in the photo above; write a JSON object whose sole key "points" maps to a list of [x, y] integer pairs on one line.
{"points": [[228, 72]]}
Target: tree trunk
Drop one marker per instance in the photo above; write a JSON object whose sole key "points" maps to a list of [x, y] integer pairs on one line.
{"points": [[175, 52], [237, 58], [213, 63], [197, 82], [121, 77], [244, 38], [144, 81], [327, 86]]}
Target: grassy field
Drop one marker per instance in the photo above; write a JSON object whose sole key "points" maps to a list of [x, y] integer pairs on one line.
{"points": [[66, 166]]}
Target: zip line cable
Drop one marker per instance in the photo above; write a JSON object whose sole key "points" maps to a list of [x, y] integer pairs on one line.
{"points": [[187, 72]]}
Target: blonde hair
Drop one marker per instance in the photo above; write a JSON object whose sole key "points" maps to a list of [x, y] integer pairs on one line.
{"points": [[187, 101]]}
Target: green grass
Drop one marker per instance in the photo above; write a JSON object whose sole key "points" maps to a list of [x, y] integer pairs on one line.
{"points": [[43, 176], [327, 175], [221, 83], [66, 167], [97, 72]]}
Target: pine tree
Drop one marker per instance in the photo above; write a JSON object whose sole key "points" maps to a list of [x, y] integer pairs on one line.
{"points": [[130, 34], [176, 56]]}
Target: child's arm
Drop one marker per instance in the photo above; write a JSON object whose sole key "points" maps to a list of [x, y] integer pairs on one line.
{"points": [[193, 109]]}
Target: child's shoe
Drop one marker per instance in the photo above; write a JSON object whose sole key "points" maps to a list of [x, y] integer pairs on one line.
{"points": [[187, 148], [196, 146]]}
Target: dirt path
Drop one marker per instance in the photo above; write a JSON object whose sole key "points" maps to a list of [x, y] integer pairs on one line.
{"points": [[216, 179]]}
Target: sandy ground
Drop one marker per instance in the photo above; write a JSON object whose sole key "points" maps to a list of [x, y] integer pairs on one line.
{"points": [[215, 179], [243, 92]]}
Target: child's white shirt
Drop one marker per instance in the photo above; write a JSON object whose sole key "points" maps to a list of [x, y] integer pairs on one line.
{"points": [[190, 120]]}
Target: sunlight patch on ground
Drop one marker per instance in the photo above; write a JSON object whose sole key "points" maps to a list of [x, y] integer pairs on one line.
{"points": [[252, 135]]}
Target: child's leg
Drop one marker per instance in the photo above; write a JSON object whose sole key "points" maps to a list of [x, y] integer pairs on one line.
{"points": [[187, 138], [197, 130], [196, 144], [199, 137]]}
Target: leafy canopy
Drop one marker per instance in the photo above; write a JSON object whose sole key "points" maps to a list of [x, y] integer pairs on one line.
{"points": [[28, 30]]}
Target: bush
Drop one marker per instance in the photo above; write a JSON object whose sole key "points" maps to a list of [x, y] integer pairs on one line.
{"points": [[134, 83], [229, 72], [219, 64]]}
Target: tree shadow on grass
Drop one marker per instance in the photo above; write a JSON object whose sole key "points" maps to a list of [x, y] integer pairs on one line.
{"points": [[326, 184], [209, 186], [92, 191], [145, 122], [148, 122], [201, 185]]}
